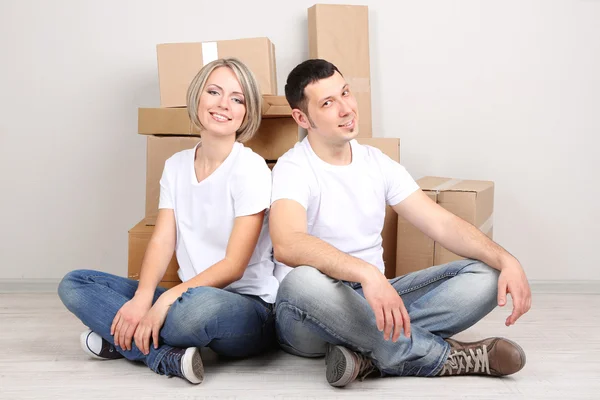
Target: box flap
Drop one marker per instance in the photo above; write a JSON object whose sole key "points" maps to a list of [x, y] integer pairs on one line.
{"points": [[275, 107], [442, 184]]}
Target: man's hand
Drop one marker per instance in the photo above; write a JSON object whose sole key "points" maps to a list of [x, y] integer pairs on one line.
{"points": [[387, 305], [127, 320], [150, 326], [513, 280]]}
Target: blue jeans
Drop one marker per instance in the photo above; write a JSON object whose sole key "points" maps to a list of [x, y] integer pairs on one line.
{"points": [[313, 309], [231, 324]]}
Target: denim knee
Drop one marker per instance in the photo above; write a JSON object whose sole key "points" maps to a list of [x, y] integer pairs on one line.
{"points": [[67, 288], [485, 287], [302, 284]]}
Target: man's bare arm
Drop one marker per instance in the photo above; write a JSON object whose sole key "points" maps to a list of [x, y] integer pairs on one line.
{"points": [[293, 246]]}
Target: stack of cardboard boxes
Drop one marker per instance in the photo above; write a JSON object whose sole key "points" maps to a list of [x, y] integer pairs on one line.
{"points": [[337, 33], [169, 129]]}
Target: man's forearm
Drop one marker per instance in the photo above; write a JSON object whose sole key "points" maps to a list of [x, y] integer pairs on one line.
{"points": [[466, 240], [304, 249]]}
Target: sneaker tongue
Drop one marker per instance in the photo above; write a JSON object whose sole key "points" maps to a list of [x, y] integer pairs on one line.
{"points": [[366, 367]]}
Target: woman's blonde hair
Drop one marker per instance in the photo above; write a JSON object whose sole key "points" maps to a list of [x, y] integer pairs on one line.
{"points": [[250, 89]]}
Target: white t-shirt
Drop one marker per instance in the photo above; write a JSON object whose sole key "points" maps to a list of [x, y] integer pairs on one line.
{"points": [[205, 213], [345, 205]]}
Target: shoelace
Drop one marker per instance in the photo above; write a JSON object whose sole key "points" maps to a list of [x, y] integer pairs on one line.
{"points": [[366, 367], [476, 361], [171, 362]]}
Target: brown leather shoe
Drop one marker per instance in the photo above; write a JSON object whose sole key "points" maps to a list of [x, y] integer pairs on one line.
{"points": [[492, 356]]}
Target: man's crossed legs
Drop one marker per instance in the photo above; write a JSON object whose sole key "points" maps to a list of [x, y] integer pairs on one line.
{"points": [[317, 315]]}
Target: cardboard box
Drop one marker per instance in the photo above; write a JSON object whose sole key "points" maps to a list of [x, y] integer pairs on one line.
{"points": [[159, 149], [175, 121], [274, 138], [178, 64], [340, 35], [275, 107], [165, 121], [139, 237], [471, 200], [390, 147]]}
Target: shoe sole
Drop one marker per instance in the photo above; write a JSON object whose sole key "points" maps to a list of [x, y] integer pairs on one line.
{"points": [[192, 366], [339, 362]]}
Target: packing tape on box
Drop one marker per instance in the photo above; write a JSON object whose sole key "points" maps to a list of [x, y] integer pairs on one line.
{"points": [[359, 85], [446, 185], [210, 52], [487, 225]]}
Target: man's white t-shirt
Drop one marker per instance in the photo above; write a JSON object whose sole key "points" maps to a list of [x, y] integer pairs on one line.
{"points": [[345, 205], [205, 213]]}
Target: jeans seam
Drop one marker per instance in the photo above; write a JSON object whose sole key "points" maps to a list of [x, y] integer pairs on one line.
{"points": [[429, 282], [321, 325], [441, 362]]}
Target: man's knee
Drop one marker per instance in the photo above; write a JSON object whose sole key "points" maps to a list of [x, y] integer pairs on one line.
{"points": [[487, 277], [295, 335], [303, 282], [482, 285]]}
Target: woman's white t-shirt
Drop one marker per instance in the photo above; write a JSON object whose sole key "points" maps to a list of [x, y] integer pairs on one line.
{"points": [[205, 212]]}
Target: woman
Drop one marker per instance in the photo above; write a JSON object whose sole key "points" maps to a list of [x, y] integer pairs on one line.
{"points": [[213, 201]]}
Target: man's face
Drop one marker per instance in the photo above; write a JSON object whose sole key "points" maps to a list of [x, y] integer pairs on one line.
{"points": [[332, 109]]}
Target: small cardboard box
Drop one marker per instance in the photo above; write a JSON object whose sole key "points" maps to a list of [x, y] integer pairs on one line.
{"points": [[178, 64], [275, 107], [274, 137], [471, 200], [390, 147], [340, 35], [139, 237]]}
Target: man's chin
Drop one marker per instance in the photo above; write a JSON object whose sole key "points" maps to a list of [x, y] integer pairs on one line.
{"points": [[351, 134]]}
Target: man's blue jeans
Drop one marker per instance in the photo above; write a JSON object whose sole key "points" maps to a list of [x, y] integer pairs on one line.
{"points": [[231, 324], [313, 309]]}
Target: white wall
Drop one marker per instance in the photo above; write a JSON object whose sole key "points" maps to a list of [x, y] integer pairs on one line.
{"points": [[507, 91]]}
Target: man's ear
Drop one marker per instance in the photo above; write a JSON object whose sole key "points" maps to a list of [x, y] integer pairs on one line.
{"points": [[300, 118]]}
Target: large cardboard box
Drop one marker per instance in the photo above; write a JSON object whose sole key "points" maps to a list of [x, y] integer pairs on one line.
{"points": [[274, 138], [139, 237], [159, 149], [471, 200], [340, 34], [390, 147], [175, 121], [178, 63]]}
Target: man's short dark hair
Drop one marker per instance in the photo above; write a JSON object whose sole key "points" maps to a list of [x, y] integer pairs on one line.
{"points": [[305, 73]]}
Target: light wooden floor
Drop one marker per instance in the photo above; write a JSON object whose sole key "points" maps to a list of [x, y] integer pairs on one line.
{"points": [[40, 358]]}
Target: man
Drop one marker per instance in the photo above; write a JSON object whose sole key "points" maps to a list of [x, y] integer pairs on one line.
{"points": [[327, 213]]}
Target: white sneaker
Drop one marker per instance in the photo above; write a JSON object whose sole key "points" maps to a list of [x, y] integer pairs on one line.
{"points": [[95, 346], [185, 363]]}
